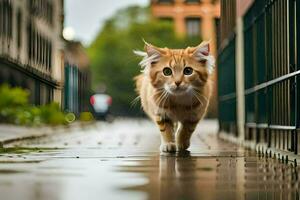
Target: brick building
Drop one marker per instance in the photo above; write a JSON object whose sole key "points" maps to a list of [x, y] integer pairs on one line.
{"points": [[31, 47], [190, 17]]}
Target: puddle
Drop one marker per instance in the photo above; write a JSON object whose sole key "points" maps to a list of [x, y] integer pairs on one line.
{"points": [[15, 161], [188, 177], [24, 150], [10, 171], [205, 169]]}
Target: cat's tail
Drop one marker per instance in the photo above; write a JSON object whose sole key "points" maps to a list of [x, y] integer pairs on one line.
{"points": [[138, 82]]}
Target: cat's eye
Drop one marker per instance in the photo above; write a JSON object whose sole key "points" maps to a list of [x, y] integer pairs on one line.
{"points": [[167, 71], [187, 71]]}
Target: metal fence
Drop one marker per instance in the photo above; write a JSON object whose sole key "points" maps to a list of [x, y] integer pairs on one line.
{"points": [[272, 73], [226, 68], [226, 85]]}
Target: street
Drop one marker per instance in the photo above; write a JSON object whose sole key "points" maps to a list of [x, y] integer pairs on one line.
{"points": [[121, 160]]}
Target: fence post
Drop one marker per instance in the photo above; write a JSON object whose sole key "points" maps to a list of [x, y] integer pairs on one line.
{"points": [[239, 73]]}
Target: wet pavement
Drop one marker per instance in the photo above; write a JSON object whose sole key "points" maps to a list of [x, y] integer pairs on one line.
{"points": [[121, 161]]}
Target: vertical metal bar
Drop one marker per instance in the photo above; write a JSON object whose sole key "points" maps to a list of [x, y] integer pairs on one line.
{"points": [[272, 31], [280, 89], [297, 61], [295, 54], [286, 64], [276, 59], [269, 67], [254, 71]]}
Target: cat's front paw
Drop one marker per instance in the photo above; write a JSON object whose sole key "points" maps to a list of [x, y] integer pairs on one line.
{"points": [[182, 146], [168, 147]]}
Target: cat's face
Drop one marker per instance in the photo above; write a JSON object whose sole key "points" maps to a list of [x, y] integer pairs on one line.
{"points": [[180, 71]]}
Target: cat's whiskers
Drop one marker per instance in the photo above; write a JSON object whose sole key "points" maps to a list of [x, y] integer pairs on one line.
{"points": [[198, 99], [195, 95], [158, 92], [201, 95], [161, 97], [165, 99], [135, 101], [191, 100]]}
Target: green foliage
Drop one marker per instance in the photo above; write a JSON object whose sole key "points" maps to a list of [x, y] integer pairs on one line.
{"points": [[51, 114], [112, 60], [13, 96], [86, 117], [14, 108]]}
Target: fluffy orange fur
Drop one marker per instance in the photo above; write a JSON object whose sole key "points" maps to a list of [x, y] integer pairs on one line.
{"points": [[174, 88]]}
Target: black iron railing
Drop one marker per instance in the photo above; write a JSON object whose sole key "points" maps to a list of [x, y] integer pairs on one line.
{"points": [[270, 29], [226, 85], [271, 75], [226, 68]]}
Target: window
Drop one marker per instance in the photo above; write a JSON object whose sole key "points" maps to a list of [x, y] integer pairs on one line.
{"points": [[43, 9], [168, 20], [192, 1], [40, 49], [9, 18], [19, 29], [193, 26], [1, 17], [165, 1], [49, 55], [6, 18]]}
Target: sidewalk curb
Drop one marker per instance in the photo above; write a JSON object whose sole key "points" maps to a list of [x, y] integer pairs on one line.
{"points": [[263, 149], [44, 131]]}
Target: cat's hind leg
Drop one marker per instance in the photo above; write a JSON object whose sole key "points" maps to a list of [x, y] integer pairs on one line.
{"points": [[166, 131]]}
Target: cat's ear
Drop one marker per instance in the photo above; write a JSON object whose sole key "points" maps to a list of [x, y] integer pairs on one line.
{"points": [[152, 50], [201, 53], [151, 56]]}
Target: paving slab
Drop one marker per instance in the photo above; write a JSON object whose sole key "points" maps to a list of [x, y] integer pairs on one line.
{"points": [[12, 133]]}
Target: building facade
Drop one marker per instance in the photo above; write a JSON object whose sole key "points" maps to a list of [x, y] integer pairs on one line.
{"points": [[190, 17], [31, 47], [193, 18], [77, 87], [259, 74]]}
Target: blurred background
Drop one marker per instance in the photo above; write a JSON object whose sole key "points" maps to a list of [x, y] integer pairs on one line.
{"points": [[67, 60], [78, 54]]}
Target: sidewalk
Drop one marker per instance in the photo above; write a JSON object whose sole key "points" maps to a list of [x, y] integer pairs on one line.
{"points": [[12, 133], [121, 160]]}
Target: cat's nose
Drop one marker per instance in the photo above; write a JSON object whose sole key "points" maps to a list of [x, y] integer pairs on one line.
{"points": [[177, 83]]}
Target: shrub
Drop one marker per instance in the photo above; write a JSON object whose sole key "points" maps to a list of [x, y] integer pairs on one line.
{"points": [[11, 101], [51, 114], [86, 117], [12, 97], [15, 108]]}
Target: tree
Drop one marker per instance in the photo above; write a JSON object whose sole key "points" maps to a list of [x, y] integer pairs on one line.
{"points": [[111, 53]]}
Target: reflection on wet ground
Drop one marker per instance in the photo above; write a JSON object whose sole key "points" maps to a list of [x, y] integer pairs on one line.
{"points": [[193, 177], [121, 161]]}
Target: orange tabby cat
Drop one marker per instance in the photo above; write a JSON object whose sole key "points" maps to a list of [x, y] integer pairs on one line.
{"points": [[175, 88]]}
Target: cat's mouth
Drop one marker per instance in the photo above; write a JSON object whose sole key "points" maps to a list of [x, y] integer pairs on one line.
{"points": [[177, 90]]}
